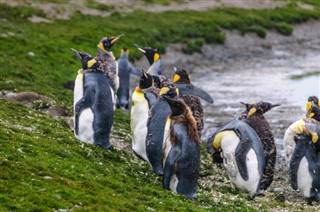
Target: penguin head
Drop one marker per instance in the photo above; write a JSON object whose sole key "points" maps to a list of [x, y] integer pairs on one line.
{"points": [[151, 54], [159, 80], [146, 80], [312, 101], [87, 61], [124, 50], [181, 77], [313, 111], [105, 43], [169, 91], [257, 109], [180, 113]]}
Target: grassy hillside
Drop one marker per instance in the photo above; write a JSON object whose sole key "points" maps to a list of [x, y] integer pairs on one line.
{"points": [[43, 167]]}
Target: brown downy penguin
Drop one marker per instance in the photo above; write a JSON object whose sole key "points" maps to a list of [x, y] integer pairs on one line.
{"points": [[181, 152], [182, 77], [254, 117]]}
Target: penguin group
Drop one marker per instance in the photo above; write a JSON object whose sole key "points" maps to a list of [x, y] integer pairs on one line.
{"points": [[166, 120], [164, 126], [247, 148]]}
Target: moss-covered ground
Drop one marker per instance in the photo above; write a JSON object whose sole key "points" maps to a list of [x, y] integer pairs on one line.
{"points": [[43, 166]]}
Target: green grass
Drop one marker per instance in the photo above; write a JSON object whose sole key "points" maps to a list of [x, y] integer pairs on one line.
{"points": [[43, 166]]}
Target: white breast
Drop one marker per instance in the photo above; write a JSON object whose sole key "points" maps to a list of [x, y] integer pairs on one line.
{"points": [[288, 141], [78, 88], [139, 118], [304, 177], [229, 144], [86, 133]]}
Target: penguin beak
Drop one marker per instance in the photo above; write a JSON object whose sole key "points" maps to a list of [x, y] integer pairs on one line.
{"points": [[276, 105], [139, 47], [116, 38], [76, 53]]}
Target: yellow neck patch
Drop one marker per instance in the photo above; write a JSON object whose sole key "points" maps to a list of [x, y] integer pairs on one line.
{"points": [[100, 46], [90, 63], [252, 111], [176, 77], [156, 57], [311, 115], [308, 106], [314, 136], [218, 138], [319, 103], [164, 90]]}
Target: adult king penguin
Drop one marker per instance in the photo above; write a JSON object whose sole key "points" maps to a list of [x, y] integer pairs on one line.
{"points": [[107, 63], [153, 56], [304, 166], [93, 106], [255, 118], [181, 159], [125, 68], [242, 154], [139, 116]]}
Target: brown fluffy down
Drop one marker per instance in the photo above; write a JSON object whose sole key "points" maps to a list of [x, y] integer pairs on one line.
{"points": [[186, 118]]}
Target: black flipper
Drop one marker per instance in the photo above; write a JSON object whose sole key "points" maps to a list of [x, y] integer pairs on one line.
{"points": [[154, 140], [297, 155], [169, 166], [241, 154], [189, 89]]}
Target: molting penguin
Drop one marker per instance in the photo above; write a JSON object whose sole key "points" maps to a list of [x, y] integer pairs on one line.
{"points": [[139, 116], [304, 166], [293, 129], [154, 59], [158, 122], [93, 106], [125, 69], [181, 151], [254, 117], [182, 77], [242, 154], [107, 63]]}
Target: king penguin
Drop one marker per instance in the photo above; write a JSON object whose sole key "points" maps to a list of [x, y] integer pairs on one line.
{"points": [[107, 63], [255, 118], [294, 129], [242, 154], [153, 56], [181, 156], [158, 127], [304, 166], [125, 70], [93, 106], [139, 116], [182, 77]]}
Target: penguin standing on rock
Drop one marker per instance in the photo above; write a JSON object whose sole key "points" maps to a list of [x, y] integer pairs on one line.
{"points": [[304, 166], [154, 59], [125, 69], [93, 106], [181, 160], [193, 102], [139, 116], [242, 154], [254, 117], [107, 63]]}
